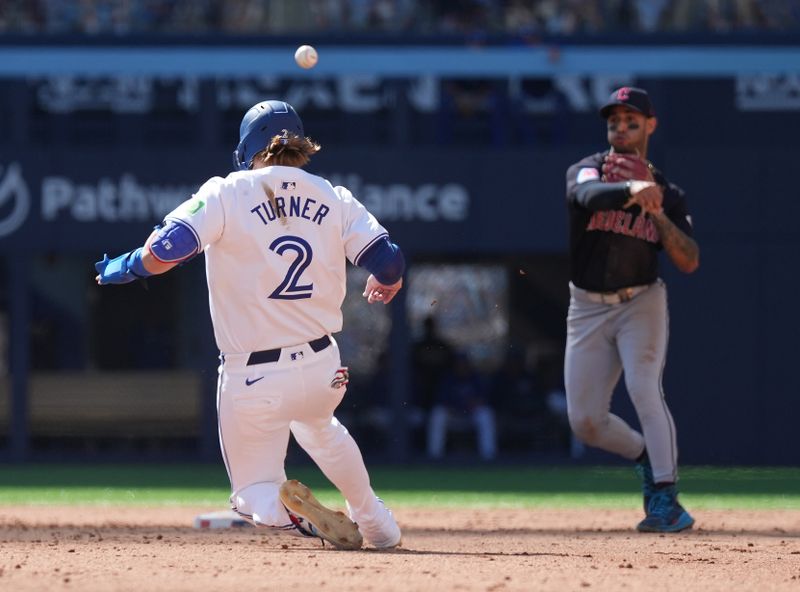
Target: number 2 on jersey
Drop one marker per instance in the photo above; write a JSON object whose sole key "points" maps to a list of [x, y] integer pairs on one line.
{"points": [[290, 288]]}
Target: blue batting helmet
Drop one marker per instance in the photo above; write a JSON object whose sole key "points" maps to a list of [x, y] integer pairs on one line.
{"points": [[259, 125]]}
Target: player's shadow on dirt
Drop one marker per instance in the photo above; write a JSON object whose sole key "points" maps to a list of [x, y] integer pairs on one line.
{"points": [[626, 531], [404, 551]]}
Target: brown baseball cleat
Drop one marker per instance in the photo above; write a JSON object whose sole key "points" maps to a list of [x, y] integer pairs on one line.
{"points": [[313, 519]]}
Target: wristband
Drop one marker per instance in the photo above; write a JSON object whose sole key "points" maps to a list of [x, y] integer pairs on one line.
{"points": [[135, 264]]}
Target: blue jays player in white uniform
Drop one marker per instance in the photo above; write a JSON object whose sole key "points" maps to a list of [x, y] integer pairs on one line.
{"points": [[276, 240]]}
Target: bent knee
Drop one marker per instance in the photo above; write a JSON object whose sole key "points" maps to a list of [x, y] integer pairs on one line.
{"points": [[260, 502], [322, 435], [586, 428]]}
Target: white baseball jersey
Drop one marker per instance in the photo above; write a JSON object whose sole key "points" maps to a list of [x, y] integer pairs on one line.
{"points": [[274, 264]]}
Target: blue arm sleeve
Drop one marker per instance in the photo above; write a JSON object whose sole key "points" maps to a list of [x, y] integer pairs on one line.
{"points": [[123, 269], [385, 261]]}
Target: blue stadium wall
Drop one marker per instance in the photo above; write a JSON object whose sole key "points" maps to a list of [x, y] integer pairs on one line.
{"points": [[729, 121]]}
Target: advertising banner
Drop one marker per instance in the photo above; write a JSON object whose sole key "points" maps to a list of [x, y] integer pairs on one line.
{"points": [[454, 202]]}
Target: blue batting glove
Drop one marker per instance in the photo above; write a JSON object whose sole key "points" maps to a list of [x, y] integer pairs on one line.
{"points": [[101, 265], [121, 270]]}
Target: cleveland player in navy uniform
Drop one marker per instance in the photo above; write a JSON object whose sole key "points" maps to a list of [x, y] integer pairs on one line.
{"points": [[623, 211]]}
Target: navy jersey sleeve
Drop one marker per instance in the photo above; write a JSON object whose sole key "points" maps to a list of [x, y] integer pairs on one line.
{"points": [[586, 188], [677, 209], [588, 174]]}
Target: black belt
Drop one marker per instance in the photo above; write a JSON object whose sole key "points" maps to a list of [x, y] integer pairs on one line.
{"points": [[273, 355]]}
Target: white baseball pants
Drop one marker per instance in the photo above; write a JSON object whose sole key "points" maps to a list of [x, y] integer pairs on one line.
{"points": [[259, 405]]}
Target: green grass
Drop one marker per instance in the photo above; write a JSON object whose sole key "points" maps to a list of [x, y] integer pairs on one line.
{"points": [[510, 487]]}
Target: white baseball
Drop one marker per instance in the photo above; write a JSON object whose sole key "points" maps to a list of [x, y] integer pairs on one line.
{"points": [[305, 56]]}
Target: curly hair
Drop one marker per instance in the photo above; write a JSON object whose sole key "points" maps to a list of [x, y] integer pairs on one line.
{"points": [[288, 149]]}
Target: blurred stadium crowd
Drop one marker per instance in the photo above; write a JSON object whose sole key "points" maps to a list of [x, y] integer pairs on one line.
{"points": [[466, 400], [457, 17], [462, 408]]}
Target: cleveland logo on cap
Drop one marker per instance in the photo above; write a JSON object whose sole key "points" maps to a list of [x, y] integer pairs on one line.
{"points": [[630, 96]]}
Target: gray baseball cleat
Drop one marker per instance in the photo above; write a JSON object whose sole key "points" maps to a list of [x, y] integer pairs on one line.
{"points": [[311, 518]]}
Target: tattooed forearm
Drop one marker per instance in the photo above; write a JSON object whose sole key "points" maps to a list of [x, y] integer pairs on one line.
{"points": [[682, 249]]}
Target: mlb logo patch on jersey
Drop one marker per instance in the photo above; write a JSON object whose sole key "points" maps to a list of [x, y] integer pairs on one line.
{"points": [[297, 356], [587, 174], [288, 185]]}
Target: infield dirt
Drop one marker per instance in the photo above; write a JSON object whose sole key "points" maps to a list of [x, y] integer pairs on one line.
{"points": [[156, 549]]}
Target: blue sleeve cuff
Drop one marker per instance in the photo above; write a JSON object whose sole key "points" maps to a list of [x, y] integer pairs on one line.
{"points": [[384, 260]]}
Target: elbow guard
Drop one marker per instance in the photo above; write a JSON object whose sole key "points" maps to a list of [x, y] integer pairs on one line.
{"points": [[174, 242], [385, 261]]}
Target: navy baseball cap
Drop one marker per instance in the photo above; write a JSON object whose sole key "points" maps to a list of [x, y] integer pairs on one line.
{"points": [[630, 96], [261, 122]]}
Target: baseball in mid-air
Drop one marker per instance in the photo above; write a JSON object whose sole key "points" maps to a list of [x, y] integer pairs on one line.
{"points": [[306, 56]]}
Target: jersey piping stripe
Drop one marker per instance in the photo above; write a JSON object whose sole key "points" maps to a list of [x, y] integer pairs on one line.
{"points": [[219, 429], [670, 422], [368, 245]]}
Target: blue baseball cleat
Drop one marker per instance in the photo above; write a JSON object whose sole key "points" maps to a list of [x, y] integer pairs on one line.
{"points": [[665, 514]]}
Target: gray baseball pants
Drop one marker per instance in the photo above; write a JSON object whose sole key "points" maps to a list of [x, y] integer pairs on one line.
{"points": [[603, 340]]}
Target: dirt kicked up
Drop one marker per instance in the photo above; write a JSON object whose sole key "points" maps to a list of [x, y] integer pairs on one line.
{"points": [[156, 549]]}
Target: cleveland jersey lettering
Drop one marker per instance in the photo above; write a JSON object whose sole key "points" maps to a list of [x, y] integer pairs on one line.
{"points": [[621, 222], [595, 236]]}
